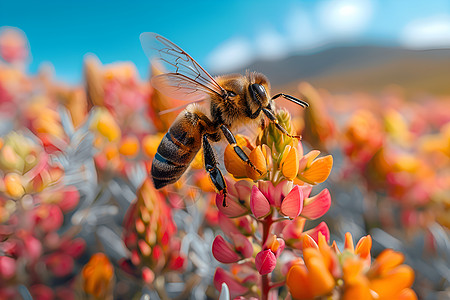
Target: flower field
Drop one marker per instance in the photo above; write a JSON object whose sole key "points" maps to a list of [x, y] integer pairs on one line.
{"points": [[358, 209]]}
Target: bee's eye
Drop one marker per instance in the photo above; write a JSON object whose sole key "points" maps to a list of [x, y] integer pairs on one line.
{"points": [[231, 94], [258, 92]]}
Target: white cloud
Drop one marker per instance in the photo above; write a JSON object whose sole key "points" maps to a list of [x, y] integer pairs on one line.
{"points": [[345, 18], [427, 33], [300, 31], [270, 45], [230, 55]]}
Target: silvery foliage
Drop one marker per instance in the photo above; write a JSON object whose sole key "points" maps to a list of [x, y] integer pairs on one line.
{"points": [[102, 208]]}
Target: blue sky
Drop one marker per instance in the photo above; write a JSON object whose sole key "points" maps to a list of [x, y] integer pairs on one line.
{"points": [[219, 34]]}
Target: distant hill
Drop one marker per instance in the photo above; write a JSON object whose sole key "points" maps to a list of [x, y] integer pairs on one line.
{"points": [[365, 68]]}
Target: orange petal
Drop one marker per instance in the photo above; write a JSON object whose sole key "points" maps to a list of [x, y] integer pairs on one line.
{"points": [[309, 242], [233, 163], [322, 282], [318, 171], [306, 160], [358, 291], [353, 271], [387, 260], [393, 283], [259, 161], [290, 162], [363, 247], [348, 245], [299, 283], [129, 146]]}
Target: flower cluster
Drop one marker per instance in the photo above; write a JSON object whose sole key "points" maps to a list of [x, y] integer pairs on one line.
{"points": [[325, 270], [32, 208], [149, 233], [274, 207]]}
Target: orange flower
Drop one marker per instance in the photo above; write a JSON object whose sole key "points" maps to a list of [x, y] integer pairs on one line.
{"points": [[98, 277], [312, 279], [129, 146]]}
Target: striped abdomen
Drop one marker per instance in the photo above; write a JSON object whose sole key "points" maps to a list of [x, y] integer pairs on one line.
{"points": [[176, 150]]}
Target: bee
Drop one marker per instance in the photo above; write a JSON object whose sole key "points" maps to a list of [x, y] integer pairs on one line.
{"points": [[217, 106]]}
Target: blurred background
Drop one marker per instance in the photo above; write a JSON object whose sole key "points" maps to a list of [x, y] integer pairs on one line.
{"points": [[375, 72]]}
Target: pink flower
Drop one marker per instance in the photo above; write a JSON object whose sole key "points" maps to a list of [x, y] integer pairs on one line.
{"points": [[238, 199], [223, 251], [227, 253], [265, 262], [7, 267], [266, 196]]}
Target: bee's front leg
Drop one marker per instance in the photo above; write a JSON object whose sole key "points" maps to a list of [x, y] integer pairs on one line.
{"points": [[214, 172], [238, 150], [274, 120]]}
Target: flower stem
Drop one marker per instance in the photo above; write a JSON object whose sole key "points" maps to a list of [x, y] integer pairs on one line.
{"points": [[265, 280]]}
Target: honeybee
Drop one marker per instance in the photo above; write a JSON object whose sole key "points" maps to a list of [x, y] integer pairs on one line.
{"points": [[217, 107]]}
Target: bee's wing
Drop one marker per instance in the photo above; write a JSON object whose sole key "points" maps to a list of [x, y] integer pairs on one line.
{"points": [[185, 79]]}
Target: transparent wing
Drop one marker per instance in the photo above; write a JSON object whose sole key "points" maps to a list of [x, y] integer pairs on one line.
{"points": [[185, 79]]}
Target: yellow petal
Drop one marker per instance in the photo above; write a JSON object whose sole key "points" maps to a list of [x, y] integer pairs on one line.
{"points": [[319, 170], [290, 162]]}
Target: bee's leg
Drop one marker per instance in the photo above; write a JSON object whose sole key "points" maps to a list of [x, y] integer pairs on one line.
{"points": [[274, 120], [241, 154], [300, 102], [214, 172]]}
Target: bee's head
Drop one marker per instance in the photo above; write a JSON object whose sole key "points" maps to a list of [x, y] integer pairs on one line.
{"points": [[259, 89]]}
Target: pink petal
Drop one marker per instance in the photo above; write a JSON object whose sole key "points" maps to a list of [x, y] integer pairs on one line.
{"points": [[259, 204], [147, 275], [227, 226], [317, 206], [234, 286], [314, 232], [244, 188], [242, 245], [33, 247], [70, 199], [267, 189], [293, 203], [293, 229], [300, 149], [7, 267], [306, 188], [60, 264], [280, 191], [223, 251], [233, 210], [265, 262]]}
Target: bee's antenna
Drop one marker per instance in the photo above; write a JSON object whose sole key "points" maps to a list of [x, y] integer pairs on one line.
{"points": [[302, 103]]}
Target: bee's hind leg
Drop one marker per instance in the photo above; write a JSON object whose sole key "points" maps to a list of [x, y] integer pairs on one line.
{"points": [[214, 172], [238, 150]]}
